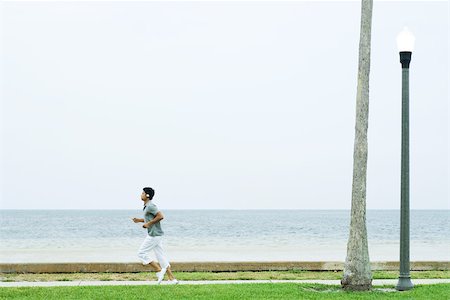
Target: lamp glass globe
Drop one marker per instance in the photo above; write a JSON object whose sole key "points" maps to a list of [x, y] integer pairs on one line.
{"points": [[405, 41]]}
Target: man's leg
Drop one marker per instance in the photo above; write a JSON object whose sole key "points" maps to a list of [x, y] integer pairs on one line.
{"points": [[160, 256], [143, 253], [169, 274], [155, 266]]}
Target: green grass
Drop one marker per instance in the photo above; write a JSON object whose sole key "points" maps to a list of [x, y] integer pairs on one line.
{"points": [[228, 291], [279, 275]]}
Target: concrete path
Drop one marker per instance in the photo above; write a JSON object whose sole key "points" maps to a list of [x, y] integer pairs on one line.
{"points": [[376, 282]]}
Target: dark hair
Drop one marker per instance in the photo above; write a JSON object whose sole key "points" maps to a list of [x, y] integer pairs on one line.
{"points": [[150, 192]]}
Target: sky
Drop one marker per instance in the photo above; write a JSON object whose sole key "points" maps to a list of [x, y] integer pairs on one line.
{"points": [[216, 105]]}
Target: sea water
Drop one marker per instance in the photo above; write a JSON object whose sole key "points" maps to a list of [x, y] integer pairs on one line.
{"points": [[216, 235]]}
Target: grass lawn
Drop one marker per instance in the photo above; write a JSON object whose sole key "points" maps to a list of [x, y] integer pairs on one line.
{"points": [[280, 275], [228, 291]]}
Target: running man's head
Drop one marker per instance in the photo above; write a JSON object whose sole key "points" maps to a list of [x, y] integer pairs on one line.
{"points": [[147, 194]]}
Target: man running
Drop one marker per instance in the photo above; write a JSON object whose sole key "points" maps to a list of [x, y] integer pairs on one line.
{"points": [[153, 240]]}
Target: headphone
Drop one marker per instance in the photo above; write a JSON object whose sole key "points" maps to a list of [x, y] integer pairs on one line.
{"points": [[148, 196]]}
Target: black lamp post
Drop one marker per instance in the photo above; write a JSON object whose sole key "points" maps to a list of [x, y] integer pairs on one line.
{"points": [[405, 42]]}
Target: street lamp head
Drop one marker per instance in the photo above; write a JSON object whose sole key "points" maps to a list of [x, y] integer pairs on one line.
{"points": [[405, 41]]}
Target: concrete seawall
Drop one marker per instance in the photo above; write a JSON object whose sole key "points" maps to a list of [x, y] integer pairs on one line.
{"points": [[210, 267]]}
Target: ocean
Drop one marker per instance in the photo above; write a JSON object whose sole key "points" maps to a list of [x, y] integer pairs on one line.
{"points": [[215, 235]]}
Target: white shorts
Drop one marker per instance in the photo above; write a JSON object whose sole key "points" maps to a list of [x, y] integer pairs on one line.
{"points": [[153, 243]]}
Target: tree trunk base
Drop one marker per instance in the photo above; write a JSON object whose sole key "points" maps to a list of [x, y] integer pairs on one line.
{"points": [[356, 281]]}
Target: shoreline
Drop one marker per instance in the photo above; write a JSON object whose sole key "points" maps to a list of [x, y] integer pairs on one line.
{"points": [[317, 252]]}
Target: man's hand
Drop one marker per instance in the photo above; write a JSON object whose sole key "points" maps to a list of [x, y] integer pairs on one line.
{"points": [[137, 220], [146, 225]]}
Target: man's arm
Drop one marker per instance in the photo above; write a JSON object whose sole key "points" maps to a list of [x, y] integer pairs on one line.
{"points": [[137, 220], [158, 217]]}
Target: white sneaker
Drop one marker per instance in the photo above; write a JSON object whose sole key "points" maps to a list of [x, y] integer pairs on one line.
{"points": [[160, 275], [172, 281]]}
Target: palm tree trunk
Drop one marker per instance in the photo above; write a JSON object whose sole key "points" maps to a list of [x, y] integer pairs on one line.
{"points": [[357, 273]]}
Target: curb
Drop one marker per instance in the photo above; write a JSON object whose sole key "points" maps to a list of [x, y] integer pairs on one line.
{"points": [[212, 266]]}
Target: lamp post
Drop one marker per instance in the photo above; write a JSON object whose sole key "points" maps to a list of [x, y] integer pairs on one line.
{"points": [[405, 43]]}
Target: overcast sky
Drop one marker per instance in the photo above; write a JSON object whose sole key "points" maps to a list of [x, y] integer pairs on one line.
{"points": [[240, 105]]}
